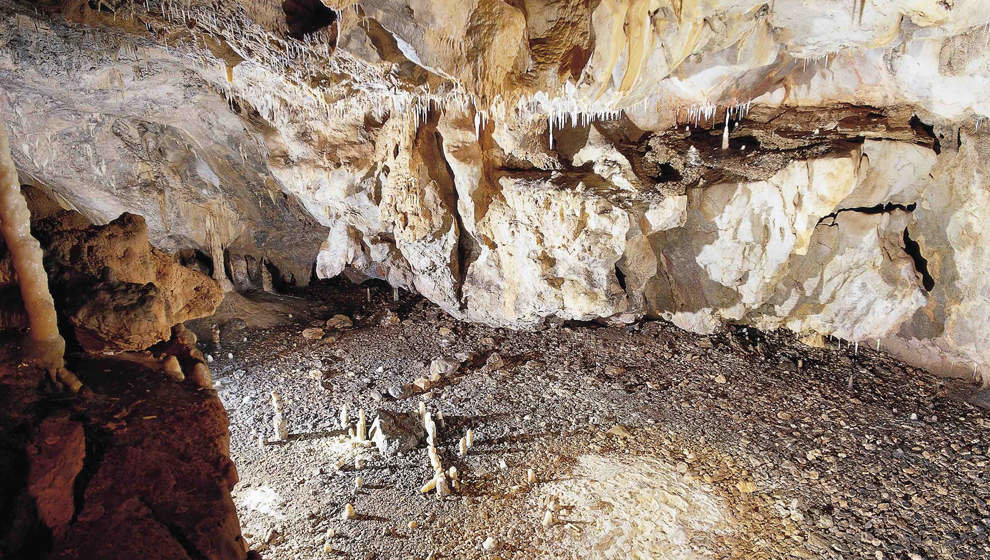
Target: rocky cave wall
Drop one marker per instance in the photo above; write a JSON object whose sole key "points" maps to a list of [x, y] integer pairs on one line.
{"points": [[815, 166]]}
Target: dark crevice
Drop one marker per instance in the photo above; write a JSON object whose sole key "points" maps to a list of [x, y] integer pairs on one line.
{"points": [[97, 441], [305, 17], [621, 278], [913, 249], [926, 131], [667, 173], [105, 7], [878, 209], [176, 533], [465, 248]]}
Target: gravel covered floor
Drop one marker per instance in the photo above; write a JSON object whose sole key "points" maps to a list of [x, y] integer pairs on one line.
{"points": [[645, 442]]}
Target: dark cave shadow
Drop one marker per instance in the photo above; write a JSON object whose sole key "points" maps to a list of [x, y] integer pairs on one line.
{"points": [[315, 435]]}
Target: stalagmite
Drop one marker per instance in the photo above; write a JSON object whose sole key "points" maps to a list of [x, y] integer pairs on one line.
{"points": [[362, 426], [530, 476], [442, 488], [462, 447], [46, 347], [430, 485], [345, 420], [434, 459], [358, 482], [201, 376], [172, 368], [548, 518], [431, 430], [469, 438], [281, 428], [348, 512]]}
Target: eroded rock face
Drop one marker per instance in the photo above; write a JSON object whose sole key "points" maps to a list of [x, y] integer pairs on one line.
{"points": [[115, 290], [522, 161]]}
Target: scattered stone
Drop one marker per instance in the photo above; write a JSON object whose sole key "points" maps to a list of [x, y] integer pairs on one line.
{"points": [[720, 379], [444, 331], [619, 430], [395, 433], [339, 322], [399, 391], [313, 333], [746, 487], [490, 543], [614, 371], [422, 383], [441, 367], [390, 319], [494, 362]]}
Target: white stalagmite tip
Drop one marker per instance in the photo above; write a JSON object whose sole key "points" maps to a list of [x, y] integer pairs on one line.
{"points": [[348, 512], [430, 485], [462, 447], [530, 476], [345, 418], [548, 518], [362, 426]]}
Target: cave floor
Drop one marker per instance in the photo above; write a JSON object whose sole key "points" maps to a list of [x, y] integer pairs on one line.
{"points": [[647, 441]]}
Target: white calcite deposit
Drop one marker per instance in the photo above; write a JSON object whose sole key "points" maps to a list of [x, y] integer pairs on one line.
{"points": [[819, 166]]}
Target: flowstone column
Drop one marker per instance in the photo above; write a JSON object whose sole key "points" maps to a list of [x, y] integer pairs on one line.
{"points": [[45, 347]]}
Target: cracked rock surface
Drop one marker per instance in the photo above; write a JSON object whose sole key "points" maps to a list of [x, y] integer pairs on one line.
{"points": [[533, 161]]}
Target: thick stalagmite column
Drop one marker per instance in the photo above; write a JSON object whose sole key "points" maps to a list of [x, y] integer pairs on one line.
{"points": [[46, 345]]}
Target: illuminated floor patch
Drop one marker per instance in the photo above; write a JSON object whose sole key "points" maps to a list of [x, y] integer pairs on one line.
{"points": [[637, 508]]}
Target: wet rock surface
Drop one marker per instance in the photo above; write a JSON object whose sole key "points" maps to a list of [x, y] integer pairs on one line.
{"points": [[758, 445]]}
